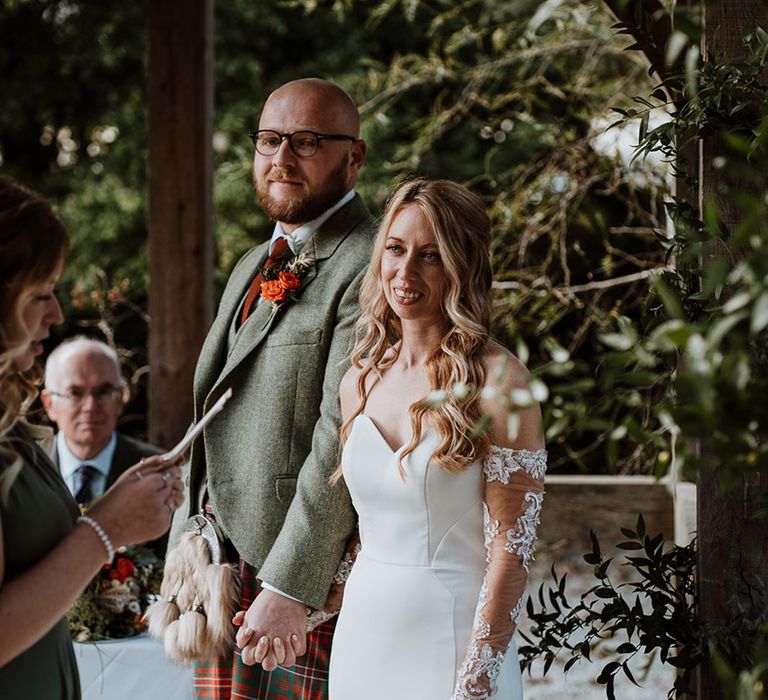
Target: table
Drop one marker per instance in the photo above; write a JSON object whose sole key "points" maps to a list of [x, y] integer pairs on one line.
{"points": [[131, 669]]}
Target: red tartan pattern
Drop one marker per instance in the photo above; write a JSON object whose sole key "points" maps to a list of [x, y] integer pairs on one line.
{"points": [[230, 679]]}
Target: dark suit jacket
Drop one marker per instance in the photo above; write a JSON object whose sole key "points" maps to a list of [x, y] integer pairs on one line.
{"points": [[128, 451]]}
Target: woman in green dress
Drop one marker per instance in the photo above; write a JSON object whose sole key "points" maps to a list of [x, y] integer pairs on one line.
{"points": [[48, 551]]}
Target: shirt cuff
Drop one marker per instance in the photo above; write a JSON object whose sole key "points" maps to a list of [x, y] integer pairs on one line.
{"points": [[264, 584]]}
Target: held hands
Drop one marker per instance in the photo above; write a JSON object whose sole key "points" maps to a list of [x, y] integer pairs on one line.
{"points": [[140, 504], [276, 619]]}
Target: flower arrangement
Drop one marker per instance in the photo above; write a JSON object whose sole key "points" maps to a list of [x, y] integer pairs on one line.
{"points": [[284, 280], [113, 604]]}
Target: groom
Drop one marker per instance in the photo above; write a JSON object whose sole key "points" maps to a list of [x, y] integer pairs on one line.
{"points": [[262, 469]]}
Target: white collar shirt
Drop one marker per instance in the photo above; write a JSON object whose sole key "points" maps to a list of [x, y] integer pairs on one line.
{"points": [[69, 464], [301, 234]]}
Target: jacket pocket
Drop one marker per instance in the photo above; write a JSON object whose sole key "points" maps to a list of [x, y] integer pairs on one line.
{"points": [[285, 488], [282, 337]]}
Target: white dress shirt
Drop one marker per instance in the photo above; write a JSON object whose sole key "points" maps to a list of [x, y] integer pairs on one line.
{"points": [[69, 464], [301, 234]]}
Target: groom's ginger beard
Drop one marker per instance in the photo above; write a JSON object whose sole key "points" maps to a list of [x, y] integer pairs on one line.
{"points": [[309, 205]]}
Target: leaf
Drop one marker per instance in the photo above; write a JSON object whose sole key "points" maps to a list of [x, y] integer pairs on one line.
{"points": [[608, 670], [617, 341], [736, 302], [542, 14], [643, 127], [760, 314], [668, 297], [629, 545], [605, 592], [675, 45], [628, 673], [550, 658], [626, 648]]}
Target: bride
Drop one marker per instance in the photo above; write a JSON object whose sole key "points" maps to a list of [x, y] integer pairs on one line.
{"points": [[448, 487]]}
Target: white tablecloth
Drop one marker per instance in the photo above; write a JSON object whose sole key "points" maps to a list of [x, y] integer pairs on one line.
{"points": [[131, 669]]}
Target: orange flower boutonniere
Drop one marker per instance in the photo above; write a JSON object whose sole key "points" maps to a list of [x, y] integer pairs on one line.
{"points": [[284, 280]]}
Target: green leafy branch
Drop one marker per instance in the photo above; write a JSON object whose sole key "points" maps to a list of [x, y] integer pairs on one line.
{"points": [[654, 613]]}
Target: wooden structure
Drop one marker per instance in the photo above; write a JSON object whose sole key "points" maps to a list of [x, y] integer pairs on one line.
{"points": [[733, 566], [576, 504], [180, 91]]}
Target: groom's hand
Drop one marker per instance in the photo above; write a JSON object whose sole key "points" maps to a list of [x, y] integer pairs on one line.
{"points": [[272, 631]]}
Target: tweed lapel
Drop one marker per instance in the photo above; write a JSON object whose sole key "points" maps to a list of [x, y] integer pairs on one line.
{"points": [[320, 247], [214, 351]]}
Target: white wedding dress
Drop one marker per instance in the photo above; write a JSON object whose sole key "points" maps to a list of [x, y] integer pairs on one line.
{"points": [[436, 591]]}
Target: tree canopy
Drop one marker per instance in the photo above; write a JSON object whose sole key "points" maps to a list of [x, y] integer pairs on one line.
{"points": [[508, 98]]}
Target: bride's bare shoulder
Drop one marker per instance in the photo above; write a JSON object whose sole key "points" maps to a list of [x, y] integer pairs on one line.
{"points": [[349, 389], [503, 373], [503, 370]]}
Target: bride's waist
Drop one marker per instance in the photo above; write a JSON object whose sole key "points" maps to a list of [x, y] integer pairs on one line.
{"points": [[369, 556]]}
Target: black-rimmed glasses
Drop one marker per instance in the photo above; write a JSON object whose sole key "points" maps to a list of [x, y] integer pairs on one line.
{"points": [[303, 143]]}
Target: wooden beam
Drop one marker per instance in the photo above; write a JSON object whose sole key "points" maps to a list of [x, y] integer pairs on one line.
{"points": [[733, 567], [576, 504], [180, 79]]}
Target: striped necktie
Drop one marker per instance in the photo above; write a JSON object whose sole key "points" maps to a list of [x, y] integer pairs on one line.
{"points": [[85, 476]]}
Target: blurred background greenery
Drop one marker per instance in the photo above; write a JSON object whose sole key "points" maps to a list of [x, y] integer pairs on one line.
{"points": [[511, 98]]}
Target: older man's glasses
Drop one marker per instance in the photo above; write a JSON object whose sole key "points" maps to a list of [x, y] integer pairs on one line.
{"points": [[303, 143], [102, 395]]}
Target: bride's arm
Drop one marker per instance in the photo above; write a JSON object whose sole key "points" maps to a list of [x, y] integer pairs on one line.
{"points": [[513, 494], [514, 488]]}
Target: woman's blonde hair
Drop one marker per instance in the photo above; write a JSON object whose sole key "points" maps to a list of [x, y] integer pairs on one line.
{"points": [[33, 243], [462, 228]]}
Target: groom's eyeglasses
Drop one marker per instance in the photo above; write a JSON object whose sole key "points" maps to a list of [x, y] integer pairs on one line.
{"points": [[303, 143]]}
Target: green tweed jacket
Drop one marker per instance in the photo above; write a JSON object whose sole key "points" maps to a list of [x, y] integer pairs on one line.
{"points": [[266, 460]]}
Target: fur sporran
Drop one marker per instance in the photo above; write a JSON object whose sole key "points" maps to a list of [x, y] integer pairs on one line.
{"points": [[198, 597]]}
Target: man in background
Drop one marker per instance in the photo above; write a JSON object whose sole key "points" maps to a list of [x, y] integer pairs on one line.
{"points": [[84, 395]]}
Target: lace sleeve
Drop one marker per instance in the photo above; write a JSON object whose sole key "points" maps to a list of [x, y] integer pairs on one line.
{"points": [[514, 489], [336, 592]]}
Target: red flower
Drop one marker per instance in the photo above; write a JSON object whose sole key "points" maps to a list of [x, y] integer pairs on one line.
{"points": [[273, 291], [288, 281], [123, 570]]}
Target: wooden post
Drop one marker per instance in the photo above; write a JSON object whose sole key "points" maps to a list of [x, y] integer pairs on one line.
{"points": [[733, 567], [180, 79]]}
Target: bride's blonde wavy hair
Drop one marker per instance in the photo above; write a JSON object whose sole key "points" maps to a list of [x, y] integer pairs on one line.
{"points": [[33, 242], [462, 228]]}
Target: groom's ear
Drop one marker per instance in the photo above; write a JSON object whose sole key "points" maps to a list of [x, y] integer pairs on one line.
{"points": [[357, 156]]}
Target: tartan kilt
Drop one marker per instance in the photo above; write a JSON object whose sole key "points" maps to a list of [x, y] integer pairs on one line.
{"points": [[228, 678]]}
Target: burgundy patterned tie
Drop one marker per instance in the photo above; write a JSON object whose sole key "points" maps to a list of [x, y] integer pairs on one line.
{"points": [[280, 251]]}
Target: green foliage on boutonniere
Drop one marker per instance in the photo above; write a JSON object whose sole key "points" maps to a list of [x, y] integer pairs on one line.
{"points": [[285, 279]]}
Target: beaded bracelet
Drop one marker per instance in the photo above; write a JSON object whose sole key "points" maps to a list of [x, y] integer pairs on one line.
{"points": [[99, 530]]}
